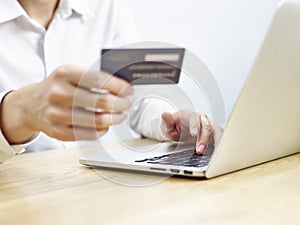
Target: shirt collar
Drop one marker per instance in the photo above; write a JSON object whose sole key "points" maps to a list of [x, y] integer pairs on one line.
{"points": [[11, 9], [81, 7]]}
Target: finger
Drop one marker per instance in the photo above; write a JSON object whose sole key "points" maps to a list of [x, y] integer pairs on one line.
{"points": [[115, 85], [98, 121], [84, 118], [168, 121], [203, 138], [217, 135], [68, 95], [108, 102], [93, 79], [194, 124], [75, 133], [169, 126]]}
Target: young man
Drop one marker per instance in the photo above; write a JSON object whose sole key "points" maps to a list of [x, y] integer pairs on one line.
{"points": [[46, 47]]}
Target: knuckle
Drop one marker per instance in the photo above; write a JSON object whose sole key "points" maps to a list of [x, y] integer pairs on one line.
{"points": [[206, 126], [52, 115], [99, 79], [124, 85], [61, 72], [57, 133], [208, 129], [105, 101], [202, 115], [57, 94], [205, 120], [100, 120]]}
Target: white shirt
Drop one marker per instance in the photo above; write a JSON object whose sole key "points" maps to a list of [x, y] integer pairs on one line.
{"points": [[80, 28]]}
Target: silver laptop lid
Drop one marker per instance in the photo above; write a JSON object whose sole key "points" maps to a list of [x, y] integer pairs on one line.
{"points": [[265, 123]]}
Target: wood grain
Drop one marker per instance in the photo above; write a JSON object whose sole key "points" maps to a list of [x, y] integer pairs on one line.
{"points": [[48, 188]]}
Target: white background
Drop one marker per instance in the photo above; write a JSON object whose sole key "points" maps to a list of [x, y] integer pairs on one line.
{"points": [[225, 34]]}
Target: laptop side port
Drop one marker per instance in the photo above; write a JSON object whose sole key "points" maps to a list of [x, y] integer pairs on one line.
{"points": [[157, 169], [174, 170], [188, 172]]}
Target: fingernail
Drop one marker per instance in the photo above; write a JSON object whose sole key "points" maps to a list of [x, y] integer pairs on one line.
{"points": [[201, 149], [195, 132]]}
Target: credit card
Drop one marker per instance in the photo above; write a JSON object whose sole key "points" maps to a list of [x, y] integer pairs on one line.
{"points": [[144, 66]]}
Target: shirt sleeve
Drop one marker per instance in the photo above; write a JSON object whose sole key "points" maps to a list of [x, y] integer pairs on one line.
{"points": [[145, 117], [6, 150]]}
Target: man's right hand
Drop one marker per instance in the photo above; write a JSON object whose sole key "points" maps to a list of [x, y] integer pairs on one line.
{"points": [[191, 127], [58, 106]]}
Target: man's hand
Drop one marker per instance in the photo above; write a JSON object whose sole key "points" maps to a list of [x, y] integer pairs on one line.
{"points": [[60, 106], [191, 127]]}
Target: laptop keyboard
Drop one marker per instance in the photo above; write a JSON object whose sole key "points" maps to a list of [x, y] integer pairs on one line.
{"points": [[184, 158]]}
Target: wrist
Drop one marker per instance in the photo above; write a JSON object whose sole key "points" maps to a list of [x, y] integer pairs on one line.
{"points": [[15, 124]]}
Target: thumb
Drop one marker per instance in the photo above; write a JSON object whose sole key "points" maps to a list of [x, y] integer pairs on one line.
{"points": [[168, 121]]}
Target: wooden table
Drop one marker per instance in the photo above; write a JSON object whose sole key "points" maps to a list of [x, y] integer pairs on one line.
{"points": [[53, 188]]}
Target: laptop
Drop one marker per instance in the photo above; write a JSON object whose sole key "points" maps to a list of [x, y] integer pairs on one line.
{"points": [[263, 126]]}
